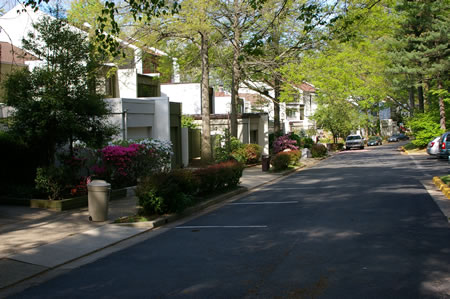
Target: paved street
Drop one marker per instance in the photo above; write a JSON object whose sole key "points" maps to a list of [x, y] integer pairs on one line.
{"points": [[358, 225]]}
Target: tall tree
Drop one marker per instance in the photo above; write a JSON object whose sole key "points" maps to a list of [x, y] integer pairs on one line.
{"points": [[286, 30], [57, 102], [188, 30], [350, 71], [234, 19], [420, 50]]}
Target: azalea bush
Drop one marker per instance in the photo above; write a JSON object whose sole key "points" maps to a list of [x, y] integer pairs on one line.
{"points": [[247, 153], [121, 163], [284, 142]]}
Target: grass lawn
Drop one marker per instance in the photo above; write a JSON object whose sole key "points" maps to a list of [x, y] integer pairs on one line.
{"points": [[413, 148], [446, 179]]}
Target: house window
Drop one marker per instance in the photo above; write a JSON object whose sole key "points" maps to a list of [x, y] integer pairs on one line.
{"points": [[291, 113], [302, 112], [254, 136], [147, 90], [110, 86]]}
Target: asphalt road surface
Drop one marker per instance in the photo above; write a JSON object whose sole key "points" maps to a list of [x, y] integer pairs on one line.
{"points": [[358, 225]]}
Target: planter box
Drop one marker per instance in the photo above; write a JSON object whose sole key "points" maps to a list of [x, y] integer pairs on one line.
{"points": [[59, 205]]}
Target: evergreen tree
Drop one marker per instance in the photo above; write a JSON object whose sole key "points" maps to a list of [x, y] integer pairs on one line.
{"points": [[57, 101]]}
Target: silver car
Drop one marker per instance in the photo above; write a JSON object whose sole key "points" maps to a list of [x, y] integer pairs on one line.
{"points": [[354, 141], [433, 146]]}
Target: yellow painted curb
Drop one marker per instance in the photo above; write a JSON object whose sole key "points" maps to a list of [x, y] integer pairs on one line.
{"points": [[446, 191], [442, 186]]}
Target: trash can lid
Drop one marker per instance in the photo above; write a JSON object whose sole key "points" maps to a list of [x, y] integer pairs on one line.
{"points": [[98, 185]]}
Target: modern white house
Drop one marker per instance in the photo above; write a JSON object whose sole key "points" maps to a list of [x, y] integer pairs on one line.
{"points": [[295, 115], [138, 110], [136, 76]]}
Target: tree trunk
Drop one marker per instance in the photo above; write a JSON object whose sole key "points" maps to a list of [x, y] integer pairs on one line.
{"points": [[236, 73], [206, 154], [441, 107], [276, 105], [367, 125], [411, 100], [420, 96]]}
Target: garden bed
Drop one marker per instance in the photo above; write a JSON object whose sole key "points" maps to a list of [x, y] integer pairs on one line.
{"points": [[59, 205]]}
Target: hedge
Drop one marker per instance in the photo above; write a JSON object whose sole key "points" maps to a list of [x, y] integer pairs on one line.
{"points": [[176, 190]]}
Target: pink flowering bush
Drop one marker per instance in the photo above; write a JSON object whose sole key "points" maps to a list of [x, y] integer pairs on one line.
{"points": [[118, 164], [284, 143], [123, 163]]}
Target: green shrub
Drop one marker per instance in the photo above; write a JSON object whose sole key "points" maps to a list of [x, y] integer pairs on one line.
{"points": [[167, 192], [253, 152], [51, 181], [248, 154], [173, 191], [318, 150], [225, 146], [188, 122], [295, 156], [239, 155], [219, 176], [424, 126], [281, 161], [306, 142]]}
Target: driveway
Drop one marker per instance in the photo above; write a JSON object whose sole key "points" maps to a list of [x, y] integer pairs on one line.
{"points": [[358, 225]]}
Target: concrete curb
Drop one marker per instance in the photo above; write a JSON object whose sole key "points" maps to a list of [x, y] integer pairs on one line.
{"points": [[189, 211], [203, 205], [442, 186]]}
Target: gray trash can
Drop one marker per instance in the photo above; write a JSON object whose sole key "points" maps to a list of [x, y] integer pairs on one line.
{"points": [[98, 200], [265, 162]]}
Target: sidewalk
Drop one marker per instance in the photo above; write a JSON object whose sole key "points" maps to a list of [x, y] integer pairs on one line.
{"points": [[33, 241]]}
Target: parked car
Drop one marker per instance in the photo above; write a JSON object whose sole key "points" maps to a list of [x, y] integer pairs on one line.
{"points": [[433, 146], [444, 145], [354, 141], [397, 137], [374, 140]]}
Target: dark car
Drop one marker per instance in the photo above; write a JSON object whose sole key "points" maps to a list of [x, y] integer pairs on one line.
{"points": [[397, 137], [374, 140], [444, 145]]}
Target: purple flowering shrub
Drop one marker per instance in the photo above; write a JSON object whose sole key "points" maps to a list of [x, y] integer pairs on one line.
{"points": [[117, 164], [284, 142], [122, 164]]}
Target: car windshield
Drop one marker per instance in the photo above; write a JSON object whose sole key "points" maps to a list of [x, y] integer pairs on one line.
{"points": [[373, 138], [353, 137], [395, 135]]}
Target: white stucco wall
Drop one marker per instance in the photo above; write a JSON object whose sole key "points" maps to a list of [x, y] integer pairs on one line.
{"points": [[127, 79], [145, 117], [189, 94], [161, 126], [222, 105]]}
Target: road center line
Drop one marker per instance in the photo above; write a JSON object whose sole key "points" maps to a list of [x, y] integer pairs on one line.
{"points": [[221, 226], [263, 203]]}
